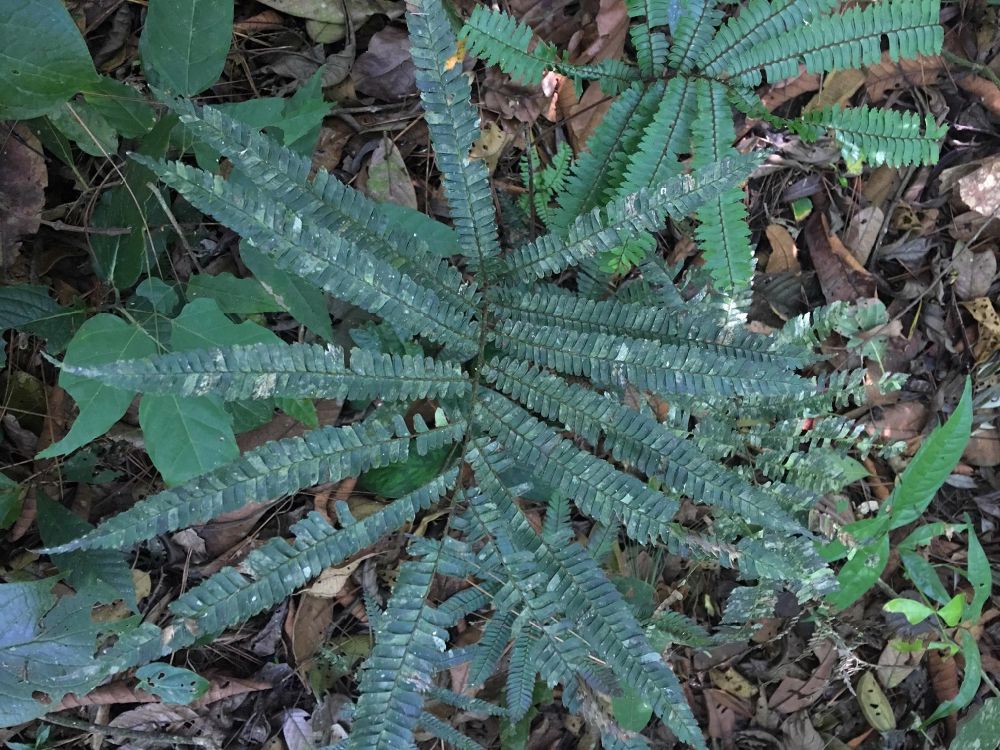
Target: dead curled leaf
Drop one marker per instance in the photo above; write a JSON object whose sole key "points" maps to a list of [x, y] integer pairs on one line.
{"points": [[888, 75], [794, 694], [23, 179], [840, 274], [386, 178], [986, 316], [980, 190], [975, 272], [784, 253], [986, 91]]}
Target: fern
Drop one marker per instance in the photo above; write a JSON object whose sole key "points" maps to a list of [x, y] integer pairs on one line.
{"points": [[614, 409]]}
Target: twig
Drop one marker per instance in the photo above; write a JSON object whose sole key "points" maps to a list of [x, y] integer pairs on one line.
{"points": [[60, 226], [153, 738]]}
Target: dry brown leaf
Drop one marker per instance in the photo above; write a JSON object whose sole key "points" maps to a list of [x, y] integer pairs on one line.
{"points": [[983, 448], [902, 421], [975, 272], [887, 74], [385, 70], [986, 91], [986, 316], [794, 694], [784, 253], [306, 626], [863, 231], [840, 275], [980, 190], [23, 179], [880, 185], [785, 91], [724, 710], [490, 145], [732, 682], [385, 177], [332, 580], [837, 89], [894, 665], [944, 679]]}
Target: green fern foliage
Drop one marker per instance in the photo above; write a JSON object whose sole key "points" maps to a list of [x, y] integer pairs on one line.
{"points": [[710, 64], [535, 384]]}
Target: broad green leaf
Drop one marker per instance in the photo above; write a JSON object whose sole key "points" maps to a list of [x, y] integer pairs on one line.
{"points": [[980, 575], [11, 496], [46, 648], [913, 611], [186, 437], [171, 684], [121, 258], [631, 710], [981, 730], [29, 308], [302, 300], [86, 127], [184, 43], [860, 573], [233, 295], [931, 465], [951, 613], [923, 575], [162, 297], [127, 110], [971, 678], [44, 59], [396, 480], [202, 325], [103, 338], [441, 238], [102, 575]]}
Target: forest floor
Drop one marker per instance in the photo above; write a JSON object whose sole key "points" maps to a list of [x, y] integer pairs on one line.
{"points": [[921, 239]]}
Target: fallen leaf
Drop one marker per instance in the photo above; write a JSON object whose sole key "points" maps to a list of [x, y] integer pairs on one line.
{"points": [[385, 70], [901, 421], [840, 274], [901, 74], [296, 730], [724, 710], [986, 91], [837, 89], [794, 694], [894, 665], [983, 448], [863, 231], [23, 179], [784, 91], [880, 185], [385, 178], [986, 316], [732, 682], [800, 734], [490, 144], [331, 581], [975, 272], [980, 190], [944, 679], [874, 705], [784, 253]]}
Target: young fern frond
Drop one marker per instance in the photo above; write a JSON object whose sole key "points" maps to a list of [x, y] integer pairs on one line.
{"points": [[692, 32], [261, 371]]}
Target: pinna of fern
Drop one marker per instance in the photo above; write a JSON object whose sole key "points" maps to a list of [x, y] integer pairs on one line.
{"points": [[534, 390], [711, 65]]}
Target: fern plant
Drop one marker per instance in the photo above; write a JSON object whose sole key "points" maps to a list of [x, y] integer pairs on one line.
{"points": [[691, 70], [618, 410]]}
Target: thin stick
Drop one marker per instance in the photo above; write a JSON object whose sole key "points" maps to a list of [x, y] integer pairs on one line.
{"points": [[153, 738]]}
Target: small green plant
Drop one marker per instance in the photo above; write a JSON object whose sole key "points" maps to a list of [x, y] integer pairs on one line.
{"points": [[677, 99], [615, 410]]}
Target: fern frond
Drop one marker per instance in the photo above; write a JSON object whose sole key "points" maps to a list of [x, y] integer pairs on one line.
{"points": [[663, 323], [668, 135], [639, 440], [852, 39], [617, 222], [656, 12], [647, 365], [598, 170], [454, 126], [520, 678], [445, 732], [651, 49], [490, 647], [398, 672], [279, 567], [503, 41], [758, 21], [261, 371], [596, 487], [331, 261], [326, 201], [694, 29], [272, 470], [880, 136]]}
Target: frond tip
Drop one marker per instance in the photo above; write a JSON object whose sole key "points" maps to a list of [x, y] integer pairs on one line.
{"points": [[879, 136]]}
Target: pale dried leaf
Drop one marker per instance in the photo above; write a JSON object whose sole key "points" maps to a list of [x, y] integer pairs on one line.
{"points": [[331, 581], [975, 272], [784, 254], [904, 73], [837, 89], [986, 316], [980, 190], [863, 231], [23, 179]]}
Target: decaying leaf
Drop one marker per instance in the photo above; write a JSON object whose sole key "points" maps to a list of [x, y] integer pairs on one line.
{"points": [[874, 705], [894, 665], [490, 145], [986, 91], [980, 190], [386, 178], [899, 74], [732, 682], [986, 316], [385, 70], [331, 581], [862, 232], [840, 274], [837, 89], [983, 448], [974, 272], [23, 179], [784, 253]]}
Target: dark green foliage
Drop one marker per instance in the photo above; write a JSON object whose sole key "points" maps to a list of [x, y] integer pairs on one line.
{"points": [[614, 410], [714, 66]]}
